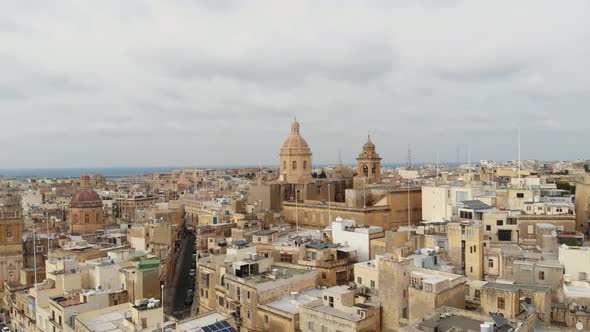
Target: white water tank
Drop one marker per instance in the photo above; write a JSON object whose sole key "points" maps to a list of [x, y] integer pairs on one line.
{"points": [[486, 327]]}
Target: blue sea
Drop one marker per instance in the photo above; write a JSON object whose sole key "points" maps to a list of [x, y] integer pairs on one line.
{"points": [[115, 172], [109, 172]]}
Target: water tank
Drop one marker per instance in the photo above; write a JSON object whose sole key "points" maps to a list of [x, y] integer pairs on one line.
{"points": [[275, 271], [486, 327]]}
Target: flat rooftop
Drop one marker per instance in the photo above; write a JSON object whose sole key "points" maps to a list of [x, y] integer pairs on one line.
{"points": [[291, 303]]}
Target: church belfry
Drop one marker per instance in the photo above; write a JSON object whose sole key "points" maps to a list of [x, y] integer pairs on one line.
{"points": [[369, 163]]}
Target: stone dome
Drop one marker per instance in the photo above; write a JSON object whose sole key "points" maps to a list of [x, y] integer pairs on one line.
{"points": [[86, 198], [295, 140]]}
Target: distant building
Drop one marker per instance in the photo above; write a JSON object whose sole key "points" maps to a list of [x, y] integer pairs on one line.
{"points": [[11, 238]]}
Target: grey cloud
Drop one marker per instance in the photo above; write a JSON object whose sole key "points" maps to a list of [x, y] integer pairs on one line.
{"points": [[141, 83]]}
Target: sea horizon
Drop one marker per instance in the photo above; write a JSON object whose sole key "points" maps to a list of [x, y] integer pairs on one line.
{"points": [[116, 172]]}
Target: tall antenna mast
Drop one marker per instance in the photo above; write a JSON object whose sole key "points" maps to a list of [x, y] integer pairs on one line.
{"points": [[519, 156], [35, 252], [409, 157], [437, 167], [469, 160]]}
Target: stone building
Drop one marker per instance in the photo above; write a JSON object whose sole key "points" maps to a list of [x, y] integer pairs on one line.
{"points": [[393, 276], [339, 310], [86, 213], [582, 204], [369, 163], [514, 301], [466, 248], [11, 238], [295, 158]]}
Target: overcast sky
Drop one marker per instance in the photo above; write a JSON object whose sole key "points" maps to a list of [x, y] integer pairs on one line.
{"points": [[183, 83]]}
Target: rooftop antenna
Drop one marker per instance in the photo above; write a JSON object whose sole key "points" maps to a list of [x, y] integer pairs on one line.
{"points": [[35, 252], [340, 158], [409, 157], [469, 160], [458, 155], [437, 167], [519, 155]]}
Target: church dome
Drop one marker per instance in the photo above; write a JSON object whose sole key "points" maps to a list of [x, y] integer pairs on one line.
{"points": [[295, 140], [86, 198]]}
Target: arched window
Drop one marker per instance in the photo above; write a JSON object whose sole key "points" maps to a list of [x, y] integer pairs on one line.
{"points": [[365, 170], [294, 164], [284, 165], [373, 169], [86, 219], [305, 164]]}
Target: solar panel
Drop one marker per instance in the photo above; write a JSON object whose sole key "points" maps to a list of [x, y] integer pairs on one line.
{"points": [[222, 326], [499, 320]]}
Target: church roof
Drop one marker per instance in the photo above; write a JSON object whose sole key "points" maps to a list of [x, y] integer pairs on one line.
{"points": [[295, 140], [86, 198]]}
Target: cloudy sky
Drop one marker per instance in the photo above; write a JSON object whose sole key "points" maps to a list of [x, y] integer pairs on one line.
{"points": [[182, 83]]}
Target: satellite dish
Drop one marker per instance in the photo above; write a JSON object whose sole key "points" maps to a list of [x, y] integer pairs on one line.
{"points": [[579, 326]]}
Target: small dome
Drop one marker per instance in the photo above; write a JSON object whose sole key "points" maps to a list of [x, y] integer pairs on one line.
{"points": [[86, 198], [369, 144], [295, 140]]}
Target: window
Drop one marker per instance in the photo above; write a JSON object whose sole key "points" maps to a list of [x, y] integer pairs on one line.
{"points": [[359, 280], [471, 269], [490, 263], [488, 227], [541, 275], [499, 222], [310, 325], [305, 164], [528, 208], [86, 219], [477, 294], [504, 235], [324, 275], [372, 283], [500, 303], [404, 292], [9, 231], [265, 319], [519, 195], [220, 301], [294, 164], [248, 295], [248, 314], [284, 165], [405, 313]]}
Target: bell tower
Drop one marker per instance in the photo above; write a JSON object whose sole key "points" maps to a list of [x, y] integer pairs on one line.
{"points": [[369, 162]]}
